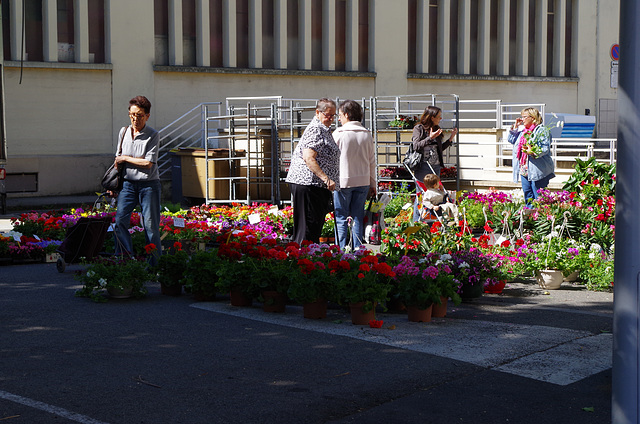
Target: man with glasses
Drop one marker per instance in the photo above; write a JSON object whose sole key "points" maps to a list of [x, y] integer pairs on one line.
{"points": [[141, 186]]}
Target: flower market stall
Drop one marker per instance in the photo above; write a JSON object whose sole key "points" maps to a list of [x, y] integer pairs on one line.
{"points": [[212, 249]]}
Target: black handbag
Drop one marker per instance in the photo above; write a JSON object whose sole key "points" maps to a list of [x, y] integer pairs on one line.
{"points": [[412, 158], [114, 179]]}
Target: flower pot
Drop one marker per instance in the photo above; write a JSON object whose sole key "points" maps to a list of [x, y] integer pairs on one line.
{"points": [[358, 317], [239, 298], [415, 314], [172, 290], [315, 310], [572, 277], [495, 288], [549, 279], [471, 291], [120, 293], [274, 301], [439, 311]]}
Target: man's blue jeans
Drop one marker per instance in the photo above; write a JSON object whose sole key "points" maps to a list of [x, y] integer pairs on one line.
{"points": [[350, 202], [147, 195]]}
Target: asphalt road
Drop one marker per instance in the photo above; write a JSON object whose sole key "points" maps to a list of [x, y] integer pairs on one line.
{"points": [[520, 357]]}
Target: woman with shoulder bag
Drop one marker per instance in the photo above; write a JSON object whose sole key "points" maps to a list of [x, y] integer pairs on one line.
{"points": [[427, 138]]}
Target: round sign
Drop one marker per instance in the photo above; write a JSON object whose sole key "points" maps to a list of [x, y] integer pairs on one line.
{"points": [[615, 52]]}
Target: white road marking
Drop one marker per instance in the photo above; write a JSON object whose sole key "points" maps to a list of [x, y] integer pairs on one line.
{"points": [[49, 408], [555, 355]]}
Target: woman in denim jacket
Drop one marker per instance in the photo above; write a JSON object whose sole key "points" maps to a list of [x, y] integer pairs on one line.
{"points": [[531, 157]]}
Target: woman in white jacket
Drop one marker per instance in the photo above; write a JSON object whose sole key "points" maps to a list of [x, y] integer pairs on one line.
{"points": [[357, 173]]}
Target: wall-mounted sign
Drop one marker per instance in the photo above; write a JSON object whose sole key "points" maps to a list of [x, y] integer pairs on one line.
{"points": [[615, 52]]}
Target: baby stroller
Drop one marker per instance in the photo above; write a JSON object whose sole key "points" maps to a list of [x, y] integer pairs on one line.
{"points": [[420, 214], [85, 239]]}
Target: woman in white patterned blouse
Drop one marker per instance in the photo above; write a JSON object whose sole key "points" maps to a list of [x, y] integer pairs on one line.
{"points": [[313, 174]]}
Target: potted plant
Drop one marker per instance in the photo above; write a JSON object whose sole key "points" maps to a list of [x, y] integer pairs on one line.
{"points": [[200, 274], [5, 255], [446, 283], [312, 285], [549, 261], [328, 229], [234, 276], [118, 276], [171, 268], [416, 288], [272, 277], [362, 282], [471, 268]]}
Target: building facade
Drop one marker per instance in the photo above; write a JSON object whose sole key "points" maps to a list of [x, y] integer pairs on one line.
{"points": [[69, 79]]}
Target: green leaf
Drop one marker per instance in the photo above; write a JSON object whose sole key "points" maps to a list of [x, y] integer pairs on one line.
{"points": [[588, 409]]}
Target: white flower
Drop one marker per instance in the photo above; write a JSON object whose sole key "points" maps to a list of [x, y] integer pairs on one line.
{"points": [[464, 265], [595, 247], [592, 255], [102, 282], [90, 273], [445, 257]]}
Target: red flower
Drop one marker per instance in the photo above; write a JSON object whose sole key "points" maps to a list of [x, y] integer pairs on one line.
{"points": [[487, 228], [600, 217], [596, 181], [505, 243], [149, 248]]}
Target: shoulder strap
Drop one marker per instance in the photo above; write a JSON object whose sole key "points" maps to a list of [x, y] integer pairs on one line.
{"points": [[123, 131]]}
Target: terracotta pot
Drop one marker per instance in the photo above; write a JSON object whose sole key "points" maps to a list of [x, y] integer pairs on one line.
{"points": [[549, 279], [315, 310], [439, 311], [495, 288], [239, 298], [274, 301], [358, 317], [173, 290], [416, 314]]}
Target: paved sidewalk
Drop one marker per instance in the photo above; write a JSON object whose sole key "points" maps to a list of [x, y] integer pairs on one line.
{"points": [[521, 357]]}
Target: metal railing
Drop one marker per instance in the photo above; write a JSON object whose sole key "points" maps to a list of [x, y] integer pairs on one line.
{"points": [[186, 131], [261, 133]]}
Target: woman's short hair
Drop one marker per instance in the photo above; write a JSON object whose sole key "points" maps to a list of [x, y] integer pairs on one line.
{"points": [[430, 180], [324, 103], [428, 116], [534, 113], [352, 110], [142, 102]]}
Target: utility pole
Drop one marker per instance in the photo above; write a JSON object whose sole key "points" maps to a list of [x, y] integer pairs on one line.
{"points": [[625, 402]]}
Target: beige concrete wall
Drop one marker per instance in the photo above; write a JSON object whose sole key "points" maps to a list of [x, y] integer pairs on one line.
{"points": [[58, 112], [558, 96], [177, 92]]}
